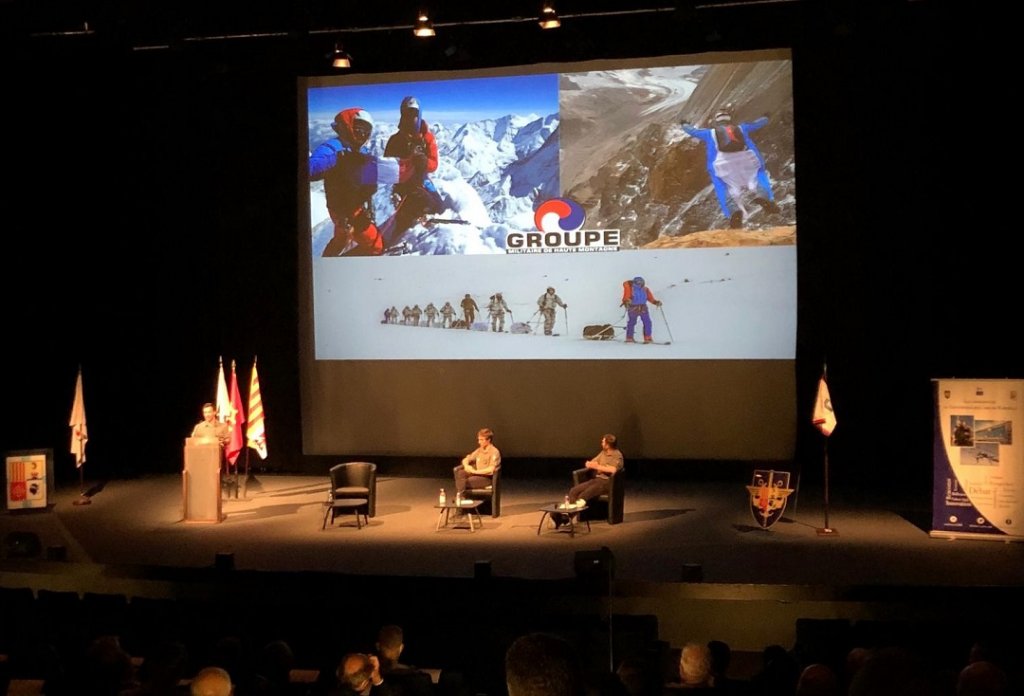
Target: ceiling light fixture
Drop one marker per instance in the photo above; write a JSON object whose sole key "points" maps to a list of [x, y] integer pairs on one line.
{"points": [[548, 16], [423, 27], [340, 59]]}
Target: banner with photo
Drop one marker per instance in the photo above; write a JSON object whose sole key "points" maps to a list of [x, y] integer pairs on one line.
{"points": [[978, 466]]}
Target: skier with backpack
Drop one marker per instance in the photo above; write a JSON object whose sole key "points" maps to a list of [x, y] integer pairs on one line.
{"points": [[431, 312], [469, 310], [447, 312], [635, 296], [546, 305], [496, 309]]}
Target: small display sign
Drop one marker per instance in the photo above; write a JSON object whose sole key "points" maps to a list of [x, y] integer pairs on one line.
{"points": [[26, 480]]}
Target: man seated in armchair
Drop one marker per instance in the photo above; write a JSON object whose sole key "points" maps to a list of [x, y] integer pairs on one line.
{"points": [[478, 466], [606, 463]]}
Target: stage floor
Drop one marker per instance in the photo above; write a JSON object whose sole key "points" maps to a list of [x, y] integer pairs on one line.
{"points": [[668, 526], [752, 589]]}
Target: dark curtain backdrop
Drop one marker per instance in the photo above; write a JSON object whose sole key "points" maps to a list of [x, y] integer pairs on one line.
{"points": [[149, 220]]}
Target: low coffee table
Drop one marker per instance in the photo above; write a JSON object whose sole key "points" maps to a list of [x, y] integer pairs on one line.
{"points": [[572, 512], [470, 507]]}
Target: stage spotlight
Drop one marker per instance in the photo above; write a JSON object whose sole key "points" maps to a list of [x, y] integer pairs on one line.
{"points": [[594, 572], [22, 545], [548, 18], [340, 60], [692, 572], [594, 564], [423, 27]]}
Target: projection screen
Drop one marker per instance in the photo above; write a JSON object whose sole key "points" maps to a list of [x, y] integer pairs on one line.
{"points": [[477, 261]]}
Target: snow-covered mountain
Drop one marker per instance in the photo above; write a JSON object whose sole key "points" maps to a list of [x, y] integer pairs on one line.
{"points": [[626, 159], [491, 175]]}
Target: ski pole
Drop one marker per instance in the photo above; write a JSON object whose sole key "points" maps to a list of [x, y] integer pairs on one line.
{"points": [[530, 322], [667, 327], [617, 324], [565, 311]]}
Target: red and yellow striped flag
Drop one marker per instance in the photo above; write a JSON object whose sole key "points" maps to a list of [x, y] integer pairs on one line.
{"points": [[256, 434]]}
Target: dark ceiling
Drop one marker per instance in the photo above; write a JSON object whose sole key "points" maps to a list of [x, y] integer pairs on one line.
{"points": [[379, 34], [234, 17]]}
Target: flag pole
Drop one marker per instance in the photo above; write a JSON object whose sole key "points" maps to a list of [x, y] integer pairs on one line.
{"points": [[827, 530], [255, 435], [82, 498], [79, 436], [245, 437]]}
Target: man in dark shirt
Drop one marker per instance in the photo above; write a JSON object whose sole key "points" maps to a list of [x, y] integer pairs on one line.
{"points": [[210, 427]]}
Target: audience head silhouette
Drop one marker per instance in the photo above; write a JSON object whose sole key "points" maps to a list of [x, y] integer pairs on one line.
{"points": [[639, 677], [356, 672], [212, 681], [982, 678], [890, 671], [540, 664], [390, 643], [818, 680], [695, 665]]}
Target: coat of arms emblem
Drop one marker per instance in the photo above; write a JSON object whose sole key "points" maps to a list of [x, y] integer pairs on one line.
{"points": [[769, 490]]}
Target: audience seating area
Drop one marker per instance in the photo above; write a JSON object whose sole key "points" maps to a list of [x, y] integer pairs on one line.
{"points": [[290, 641]]}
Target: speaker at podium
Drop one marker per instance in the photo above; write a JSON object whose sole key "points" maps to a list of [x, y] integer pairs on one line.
{"points": [[200, 480]]}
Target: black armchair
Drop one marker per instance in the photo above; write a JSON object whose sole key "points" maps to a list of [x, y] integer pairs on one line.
{"points": [[353, 489], [609, 505], [491, 494]]}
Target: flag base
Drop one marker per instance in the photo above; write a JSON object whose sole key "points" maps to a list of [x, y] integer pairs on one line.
{"points": [[83, 500], [827, 531]]}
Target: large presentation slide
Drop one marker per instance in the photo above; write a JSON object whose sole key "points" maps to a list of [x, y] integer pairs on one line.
{"points": [[486, 248]]}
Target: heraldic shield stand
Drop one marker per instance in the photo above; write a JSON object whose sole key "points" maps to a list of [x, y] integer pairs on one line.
{"points": [[769, 490]]}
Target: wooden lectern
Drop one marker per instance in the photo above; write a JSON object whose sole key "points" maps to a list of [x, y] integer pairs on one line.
{"points": [[200, 480]]}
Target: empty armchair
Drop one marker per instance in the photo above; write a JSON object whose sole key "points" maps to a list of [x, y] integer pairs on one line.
{"points": [[611, 504], [353, 489], [491, 494]]}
